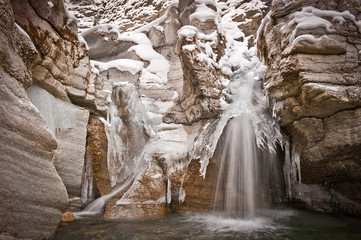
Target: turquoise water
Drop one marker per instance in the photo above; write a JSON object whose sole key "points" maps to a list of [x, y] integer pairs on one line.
{"points": [[271, 224]]}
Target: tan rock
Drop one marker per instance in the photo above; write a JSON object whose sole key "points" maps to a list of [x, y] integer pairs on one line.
{"points": [[97, 152], [67, 217], [315, 90]]}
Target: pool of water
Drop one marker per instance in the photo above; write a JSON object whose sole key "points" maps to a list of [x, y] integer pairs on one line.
{"points": [[271, 224]]}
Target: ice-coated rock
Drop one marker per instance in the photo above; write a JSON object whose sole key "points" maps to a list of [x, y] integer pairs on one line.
{"points": [[69, 124]]}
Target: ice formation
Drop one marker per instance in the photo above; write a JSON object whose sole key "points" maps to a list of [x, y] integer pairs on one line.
{"points": [[57, 113]]}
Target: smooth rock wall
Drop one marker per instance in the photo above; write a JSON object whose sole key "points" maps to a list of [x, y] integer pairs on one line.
{"points": [[32, 195]]}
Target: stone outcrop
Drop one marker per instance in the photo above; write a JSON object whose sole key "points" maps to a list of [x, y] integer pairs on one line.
{"points": [[32, 194], [97, 155], [314, 84], [192, 93], [63, 71], [145, 197], [62, 66]]}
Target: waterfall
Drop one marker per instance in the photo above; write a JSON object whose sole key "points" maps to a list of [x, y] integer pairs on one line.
{"points": [[237, 177], [245, 139]]}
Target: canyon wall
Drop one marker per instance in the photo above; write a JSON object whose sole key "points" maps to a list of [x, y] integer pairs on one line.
{"points": [[313, 53], [32, 194], [48, 93]]}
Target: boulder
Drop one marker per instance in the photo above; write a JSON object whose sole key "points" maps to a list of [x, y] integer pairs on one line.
{"points": [[67, 217]]}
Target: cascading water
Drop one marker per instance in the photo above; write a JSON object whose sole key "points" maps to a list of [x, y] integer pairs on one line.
{"points": [[245, 139], [237, 178], [127, 131]]}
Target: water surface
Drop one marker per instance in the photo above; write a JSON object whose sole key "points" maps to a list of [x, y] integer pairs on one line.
{"points": [[271, 224]]}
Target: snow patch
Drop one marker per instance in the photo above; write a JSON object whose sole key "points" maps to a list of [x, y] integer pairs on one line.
{"points": [[311, 18], [203, 13], [189, 47], [188, 31], [129, 65], [156, 74]]}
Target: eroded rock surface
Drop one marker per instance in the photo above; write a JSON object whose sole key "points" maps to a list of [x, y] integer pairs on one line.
{"points": [[32, 194], [187, 89], [62, 67], [129, 15], [313, 81]]}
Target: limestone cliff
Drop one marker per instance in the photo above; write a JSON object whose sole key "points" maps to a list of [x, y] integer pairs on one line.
{"points": [[312, 50]]}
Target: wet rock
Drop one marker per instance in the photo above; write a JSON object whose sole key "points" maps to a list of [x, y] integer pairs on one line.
{"points": [[146, 196], [199, 191], [97, 153], [67, 217]]}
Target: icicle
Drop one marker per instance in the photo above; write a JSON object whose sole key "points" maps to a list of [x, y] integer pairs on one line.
{"points": [[169, 191], [182, 195]]}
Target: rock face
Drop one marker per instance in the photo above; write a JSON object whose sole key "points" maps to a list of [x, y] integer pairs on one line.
{"points": [[129, 15], [62, 70], [96, 157], [62, 66], [32, 194], [314, 83], [173, 103]]}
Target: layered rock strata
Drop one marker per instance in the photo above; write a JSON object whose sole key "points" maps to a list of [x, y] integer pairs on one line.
{"points": [[312, 50], [62, 70], [62, 66], [32, 194]]}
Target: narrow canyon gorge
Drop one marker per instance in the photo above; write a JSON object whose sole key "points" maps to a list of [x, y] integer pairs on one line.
{"points": [[136, 109]]}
